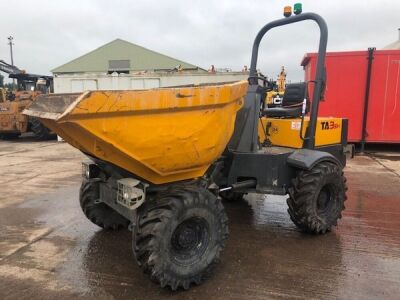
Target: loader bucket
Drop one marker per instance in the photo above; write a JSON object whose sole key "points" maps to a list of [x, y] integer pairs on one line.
{"points": [[159, 135]]}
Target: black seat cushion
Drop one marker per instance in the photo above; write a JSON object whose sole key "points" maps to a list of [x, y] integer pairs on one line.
{"points": [[282, 112]]}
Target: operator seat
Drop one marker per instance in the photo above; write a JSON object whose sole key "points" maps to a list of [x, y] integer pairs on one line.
{"points": [[292, 102]]}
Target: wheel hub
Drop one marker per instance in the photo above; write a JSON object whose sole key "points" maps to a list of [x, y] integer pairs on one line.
{"points": [[187, 238], [190, 239], [325, 200]]}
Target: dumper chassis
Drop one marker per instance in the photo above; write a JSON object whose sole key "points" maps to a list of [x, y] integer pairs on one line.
{"points": [[180, 227]]}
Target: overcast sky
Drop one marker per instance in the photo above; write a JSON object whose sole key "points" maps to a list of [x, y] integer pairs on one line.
{"points": [[49, 33]]}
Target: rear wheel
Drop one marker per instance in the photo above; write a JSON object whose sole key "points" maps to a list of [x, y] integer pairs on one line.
{"points": [[316, 199], [232, 196], [179, 236], [40, 131], [98, 212]]}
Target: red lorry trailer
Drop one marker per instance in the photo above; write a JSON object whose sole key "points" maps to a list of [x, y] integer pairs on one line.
{"points": [[363, 86]]}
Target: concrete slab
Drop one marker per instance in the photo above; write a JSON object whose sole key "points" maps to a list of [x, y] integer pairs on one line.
{"points": [[49, 250]]}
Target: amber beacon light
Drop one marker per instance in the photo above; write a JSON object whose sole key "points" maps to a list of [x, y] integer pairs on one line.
{"points": [[287, 11]]}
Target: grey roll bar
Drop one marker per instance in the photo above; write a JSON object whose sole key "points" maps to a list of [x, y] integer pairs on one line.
{"points": [[319, 77]]}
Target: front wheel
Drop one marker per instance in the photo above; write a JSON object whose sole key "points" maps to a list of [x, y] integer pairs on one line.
{"points": [[40, 131], [316, 198], [179, 236], [98, 212]]}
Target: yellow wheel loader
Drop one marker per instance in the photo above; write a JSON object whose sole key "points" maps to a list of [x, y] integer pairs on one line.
{"points": [[160, 159], [12, 122], [275, 96]]}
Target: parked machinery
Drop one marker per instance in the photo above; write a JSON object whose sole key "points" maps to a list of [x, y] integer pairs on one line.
{"points": [[159, 159], [274, 97], [12, 122]]}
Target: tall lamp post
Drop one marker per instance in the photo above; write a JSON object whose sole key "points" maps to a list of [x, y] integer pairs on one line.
{"points": [[10, 43]]}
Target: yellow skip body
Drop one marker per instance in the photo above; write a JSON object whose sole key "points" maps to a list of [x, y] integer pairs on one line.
{"points": [[160, 135]]}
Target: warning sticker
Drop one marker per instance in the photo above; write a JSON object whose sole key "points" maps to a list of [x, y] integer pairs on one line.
{"points": [[296, 125]]}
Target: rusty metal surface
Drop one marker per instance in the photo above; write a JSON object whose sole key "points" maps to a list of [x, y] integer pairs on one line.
{"points": [[51, 105], [49, 250], [11, 118]]}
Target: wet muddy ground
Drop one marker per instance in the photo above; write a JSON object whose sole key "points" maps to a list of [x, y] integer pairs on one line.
{"points": [[49, 250]]}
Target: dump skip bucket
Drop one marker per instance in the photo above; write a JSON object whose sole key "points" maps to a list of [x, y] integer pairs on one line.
{"points": [[159, 135]]}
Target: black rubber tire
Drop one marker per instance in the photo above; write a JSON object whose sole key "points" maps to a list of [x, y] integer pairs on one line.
{"points": [[40, 131], [158, 250], [9, 136], [316, 199], [99, 213], [231, 196]]}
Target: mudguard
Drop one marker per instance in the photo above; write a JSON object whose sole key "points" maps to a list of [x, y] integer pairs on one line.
{"points": [[306, 159]]}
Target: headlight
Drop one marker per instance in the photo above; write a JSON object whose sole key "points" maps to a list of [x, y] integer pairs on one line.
{"points": [[90, 170], [126, 196], [85, 170], [131, 192]]}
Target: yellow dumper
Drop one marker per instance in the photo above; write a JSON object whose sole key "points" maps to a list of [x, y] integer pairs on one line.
{"points": [[162, 159]]}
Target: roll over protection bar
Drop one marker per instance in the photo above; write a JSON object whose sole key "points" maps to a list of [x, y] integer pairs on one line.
{"points": [[320, 71]]}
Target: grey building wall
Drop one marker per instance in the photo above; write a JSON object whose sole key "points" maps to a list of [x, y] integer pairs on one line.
{"points": [[70, 83]]}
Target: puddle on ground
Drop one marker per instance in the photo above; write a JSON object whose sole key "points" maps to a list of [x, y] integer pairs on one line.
{"points": [[57, 252]]}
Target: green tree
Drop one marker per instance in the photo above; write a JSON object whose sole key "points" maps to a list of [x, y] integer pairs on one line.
{"points": [[1, 80], [10, 86]]}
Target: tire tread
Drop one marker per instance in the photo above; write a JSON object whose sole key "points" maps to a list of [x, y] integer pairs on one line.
{"points": [[160, 211], [302, 192]]}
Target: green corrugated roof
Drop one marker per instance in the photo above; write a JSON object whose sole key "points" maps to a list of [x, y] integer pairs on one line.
{"points": [[140, 59]]}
